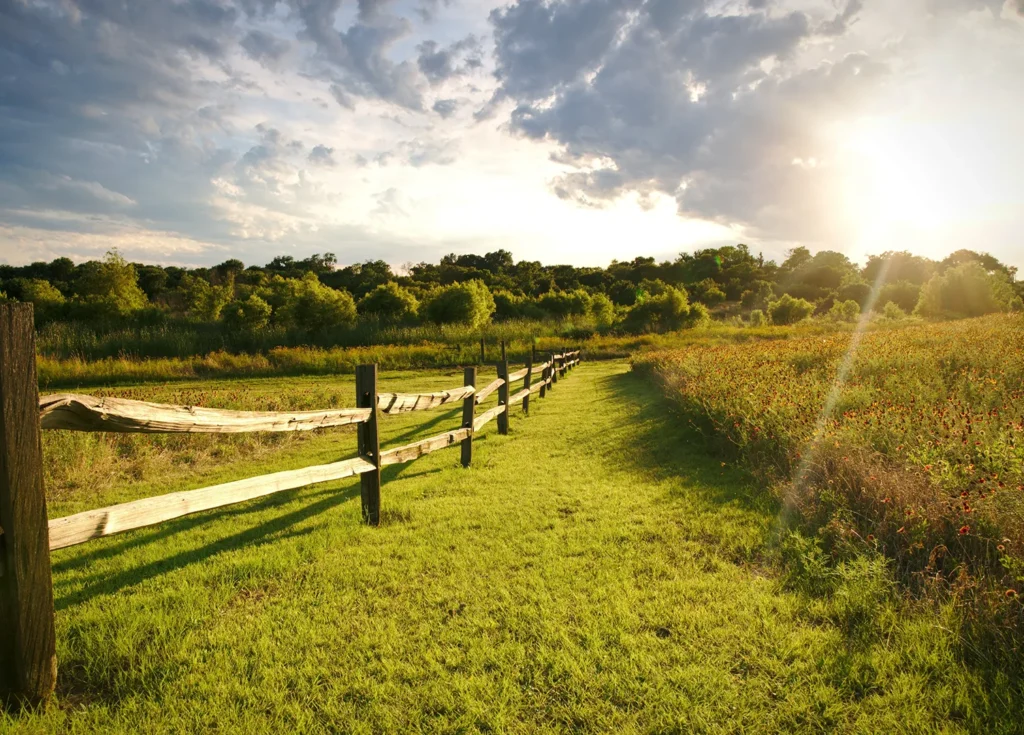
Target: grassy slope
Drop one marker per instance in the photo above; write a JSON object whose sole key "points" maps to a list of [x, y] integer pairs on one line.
{"points": [[593, 571]]}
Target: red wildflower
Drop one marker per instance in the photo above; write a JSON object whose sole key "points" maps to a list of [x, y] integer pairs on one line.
{"points": [[964, 530], [1011, 593]]}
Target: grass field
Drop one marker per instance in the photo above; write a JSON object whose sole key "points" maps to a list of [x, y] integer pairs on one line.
{"points": [[595, 571]]}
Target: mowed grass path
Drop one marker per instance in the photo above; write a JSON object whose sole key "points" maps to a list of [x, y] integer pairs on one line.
{"points": [[595, 571]]}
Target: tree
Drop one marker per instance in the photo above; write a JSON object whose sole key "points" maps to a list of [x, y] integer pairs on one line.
{"points": [[844, 311], [110, 286], [469, 303], [46, 299], [390, 303], [668, 310], [902, 293], [707, 292], [310, 306], [565, 303], [965, 290], [788, 310], [602, 310], [250, 315], [203, 301], [898, 266]]}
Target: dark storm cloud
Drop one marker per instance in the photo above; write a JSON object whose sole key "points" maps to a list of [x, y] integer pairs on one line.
{"points": [[681, 99], [264, 47]]}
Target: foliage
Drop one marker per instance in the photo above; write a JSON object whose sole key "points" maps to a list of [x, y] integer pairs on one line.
{"points": [[204, 301], [310, 306], [46, 298], [250, 315], [469, 303], [893, 312], [902, 293], [110, 287], [845, 311], [602, 310], [707, 292], [391, 303], [758, 318], [965, 290], [916, 455], [789, 310]]}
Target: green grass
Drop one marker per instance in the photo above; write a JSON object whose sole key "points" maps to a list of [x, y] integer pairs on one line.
{"points": [[595, 571]]}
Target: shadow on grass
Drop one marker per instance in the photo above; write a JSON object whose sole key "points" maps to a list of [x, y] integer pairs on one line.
{"points": [[257, 535], [668, 446]]}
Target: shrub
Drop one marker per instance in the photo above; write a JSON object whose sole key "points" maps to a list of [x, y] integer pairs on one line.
{"points": [[844, 311], [311, 306], [390, 303], [250, 315], [902, 293], [468, 303], [892, 312], [757, 318], [1017, 304], [788, 310], [602, 310], [668, 311], [43, 295], [110, 287], [204, 301], [964, 291], [858, 291], [757, 297], [565, 303], [708, 292]]}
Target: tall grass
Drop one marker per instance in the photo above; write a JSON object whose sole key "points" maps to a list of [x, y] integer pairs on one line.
{"points": [[920, 459]]}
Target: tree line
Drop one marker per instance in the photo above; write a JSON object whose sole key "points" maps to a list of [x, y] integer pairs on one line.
{"points": [[314, 294]]}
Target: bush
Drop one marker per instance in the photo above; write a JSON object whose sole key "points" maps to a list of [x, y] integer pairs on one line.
{"points": [[43, 295], [788, 310], [110, 287], [964, 291], [758, 319], [310, 306], [844, 311], [390, 303], [668, 311], [250, 315], [892, 312], [565, 303], [204, 301], [859, 292], [602, 310], [708, 292], [902, 293], [469, 303], [757, 297]]}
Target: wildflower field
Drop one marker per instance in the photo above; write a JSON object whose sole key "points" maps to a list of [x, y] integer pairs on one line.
{"points": [[903, 445]]}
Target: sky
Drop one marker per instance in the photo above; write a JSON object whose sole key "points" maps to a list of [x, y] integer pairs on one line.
{"points": [[188, 132]]}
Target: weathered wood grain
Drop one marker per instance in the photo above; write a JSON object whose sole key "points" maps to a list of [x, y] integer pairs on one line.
{"points": [[491, 387], [518, 375], [518, 396], [404, 402], [28, 660], [73, 412], [417, 449], [82, 527], [480, 421]]}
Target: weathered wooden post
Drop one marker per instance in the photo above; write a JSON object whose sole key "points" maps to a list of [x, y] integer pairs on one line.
{"points": [[503, 391], [369, 442], [28, 658], [526, 383], [561, 363], [554, 370], [544, 381], [468, 406], [482, 358]]}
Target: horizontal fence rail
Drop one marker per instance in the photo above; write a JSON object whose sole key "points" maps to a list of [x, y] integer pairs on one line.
{"points": [[26, 535]]}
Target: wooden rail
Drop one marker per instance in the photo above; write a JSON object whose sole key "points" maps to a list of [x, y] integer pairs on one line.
{"points": [[27, 652]]}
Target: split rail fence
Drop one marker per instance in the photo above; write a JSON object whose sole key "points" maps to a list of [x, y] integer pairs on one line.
{"points": [[27, 535]]}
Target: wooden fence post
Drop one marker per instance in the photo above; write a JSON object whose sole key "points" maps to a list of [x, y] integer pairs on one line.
{"points": [[503, 391], [369, 442], [554, 371], [28, 658], [526, 383], [468, 406], [482, 357]]}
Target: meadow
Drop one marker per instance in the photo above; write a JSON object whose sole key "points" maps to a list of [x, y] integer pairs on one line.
{"points": [[620, 580], [903, 444]]}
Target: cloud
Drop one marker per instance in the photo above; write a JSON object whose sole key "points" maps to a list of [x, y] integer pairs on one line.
{"points": [[322, 155], [445, 108], [670, 97], [265, 48], [440, 64]]}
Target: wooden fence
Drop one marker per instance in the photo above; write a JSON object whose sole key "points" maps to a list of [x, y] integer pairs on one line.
{"points": [[27, 644]]}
